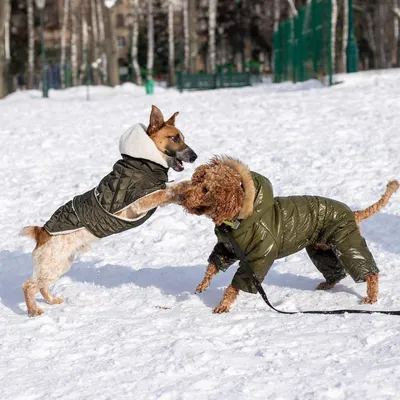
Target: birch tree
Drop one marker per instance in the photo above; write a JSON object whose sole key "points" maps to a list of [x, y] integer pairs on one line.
{"points": [[345, 36], [64, 41], [277, 14], [212, 22], [193, 45], [102, 37], [186, 54], [333, 33], [150, 39], [3, 13], [171, 44], [74, 43], [7, 49], [94, 30], [31, 44], [134, 5]]}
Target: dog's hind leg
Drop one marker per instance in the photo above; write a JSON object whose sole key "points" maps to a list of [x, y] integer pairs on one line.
{"points": [[45, 291], [30, 289], [328, 264]]}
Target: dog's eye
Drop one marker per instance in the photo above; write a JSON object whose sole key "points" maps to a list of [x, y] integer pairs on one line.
{"points": [[205, 190], [174, 138]]}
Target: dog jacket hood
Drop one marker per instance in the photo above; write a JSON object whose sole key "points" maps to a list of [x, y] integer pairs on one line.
{"points": [[140, 172], [280, 226]]}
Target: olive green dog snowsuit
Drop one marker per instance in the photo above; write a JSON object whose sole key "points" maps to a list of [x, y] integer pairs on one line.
{"points": [[280, 226]]}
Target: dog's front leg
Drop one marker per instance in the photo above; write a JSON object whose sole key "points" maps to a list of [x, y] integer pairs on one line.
{"points": [[172, 195], [372, 289], [211, 271], [230, 295]]}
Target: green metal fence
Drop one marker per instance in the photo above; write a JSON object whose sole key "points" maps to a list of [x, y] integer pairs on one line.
{"points": [[302, 45], [214, 81]]}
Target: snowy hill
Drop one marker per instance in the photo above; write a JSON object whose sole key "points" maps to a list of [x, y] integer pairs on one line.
{"points": [[110, 339]]}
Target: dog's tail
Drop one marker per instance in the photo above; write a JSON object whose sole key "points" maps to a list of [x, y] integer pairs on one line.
{"points": [[391, 188], [37, 233]]}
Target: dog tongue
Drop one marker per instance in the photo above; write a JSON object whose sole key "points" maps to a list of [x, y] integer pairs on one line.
{"points": [[179, 164]]}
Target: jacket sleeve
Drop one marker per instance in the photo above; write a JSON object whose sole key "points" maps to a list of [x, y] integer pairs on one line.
{"points": [[260, 257], [222, 257]]}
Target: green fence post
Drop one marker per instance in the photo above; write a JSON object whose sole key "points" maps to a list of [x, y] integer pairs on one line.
{"points": [[352, 49]]}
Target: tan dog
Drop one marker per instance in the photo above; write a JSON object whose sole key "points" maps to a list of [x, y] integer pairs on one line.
{"points": [[223, 190], [145, 153]]}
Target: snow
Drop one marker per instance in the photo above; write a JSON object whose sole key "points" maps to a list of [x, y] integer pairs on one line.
{"points": [[131, 326]]}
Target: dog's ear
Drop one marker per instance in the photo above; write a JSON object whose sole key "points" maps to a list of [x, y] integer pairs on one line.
{"points": [[156, 121], [171, 121]]}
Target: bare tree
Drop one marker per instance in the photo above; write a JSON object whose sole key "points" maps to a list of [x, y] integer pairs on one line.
{"points": [[74, 42], [3, 16], [381, 28], [94, 30], [7, 48], [31, 44], [102, 37], [212, 22], [293, 11], [150, 39], [111, 43], [395, 32], [186, 49], [333, 32], [171, 44], [64, 41], [345, 36], [277, 14], [135, 36], [193, 38]]}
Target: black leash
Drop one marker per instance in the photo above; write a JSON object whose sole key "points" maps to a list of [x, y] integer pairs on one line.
{"points": [[243, 259]]}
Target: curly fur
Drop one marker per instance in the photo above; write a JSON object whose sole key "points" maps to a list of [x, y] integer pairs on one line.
{"points": [[216, 191]]}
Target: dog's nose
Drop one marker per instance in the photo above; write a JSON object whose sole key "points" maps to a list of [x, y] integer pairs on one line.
{"points": [[192, 156]]}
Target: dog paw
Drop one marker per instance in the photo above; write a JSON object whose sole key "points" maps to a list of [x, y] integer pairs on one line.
{"points": [[325, 286], [369, 300], [221, 309], [35, 312], [57, 300], [201, 288]]}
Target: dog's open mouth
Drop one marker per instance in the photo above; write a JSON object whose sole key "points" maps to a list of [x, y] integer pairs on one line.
{"points": [[178, 165]]}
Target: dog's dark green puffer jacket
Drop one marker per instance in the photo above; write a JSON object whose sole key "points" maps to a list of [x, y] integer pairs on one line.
{"points": [[282, 226], [130, 179], [141, 171]]}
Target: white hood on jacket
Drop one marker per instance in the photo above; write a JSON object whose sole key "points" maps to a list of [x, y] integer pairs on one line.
{"points": [[136, 143]]}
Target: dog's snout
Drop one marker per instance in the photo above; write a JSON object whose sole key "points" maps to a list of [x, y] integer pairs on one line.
{"points": [[187, 155], [193, 156]]}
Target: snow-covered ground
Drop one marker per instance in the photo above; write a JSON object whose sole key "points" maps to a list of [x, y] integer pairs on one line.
{"points": [[110, 339]]}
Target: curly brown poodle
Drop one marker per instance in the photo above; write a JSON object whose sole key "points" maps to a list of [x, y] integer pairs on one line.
{"points": [[224, 190]]}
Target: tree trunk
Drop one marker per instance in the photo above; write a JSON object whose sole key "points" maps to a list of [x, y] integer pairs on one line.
{"points": [[134, 5], [193, 46], [85, 44], [3, 16], [171, 45], [277, 14], [7, 50], [74, 42], [345, 36], [372, 40], [381, 24], [102, 36], [95, 38], [112, 46], [333, 34], [31, 44], [150, 39], [212, 21], [395, 45], [186, 48], [64, 41]]}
